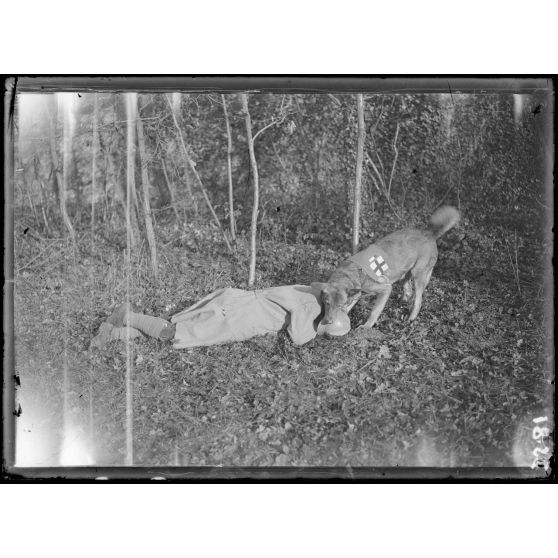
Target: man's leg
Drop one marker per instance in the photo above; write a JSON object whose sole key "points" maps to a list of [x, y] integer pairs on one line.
{"points": [[150, 325], [123, 323], [119, 314], [124, 315], [125, 333]]}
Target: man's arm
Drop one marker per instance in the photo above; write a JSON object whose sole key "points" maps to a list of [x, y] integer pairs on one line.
{"points": [[301, 325]]}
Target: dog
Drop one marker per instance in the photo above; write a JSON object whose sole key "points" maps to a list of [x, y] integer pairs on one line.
{"points": [[408, 255]]}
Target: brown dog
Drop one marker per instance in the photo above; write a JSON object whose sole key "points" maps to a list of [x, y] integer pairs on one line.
{"points": [[406, 254]]}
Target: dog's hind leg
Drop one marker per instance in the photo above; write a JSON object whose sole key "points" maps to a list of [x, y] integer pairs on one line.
{"points": [[407, 288], [421, 279], [379, 304]]}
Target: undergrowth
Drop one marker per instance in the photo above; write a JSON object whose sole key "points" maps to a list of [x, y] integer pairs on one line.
{"points": [[458, 387]]}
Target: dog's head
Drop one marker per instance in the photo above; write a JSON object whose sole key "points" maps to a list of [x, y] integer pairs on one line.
{"points": [[335, 298]]}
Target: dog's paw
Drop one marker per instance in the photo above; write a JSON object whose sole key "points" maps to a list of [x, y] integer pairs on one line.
{"points": [[367, 325]]}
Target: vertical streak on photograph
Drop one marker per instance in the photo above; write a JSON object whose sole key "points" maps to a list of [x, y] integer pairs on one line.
{"points": [[94, 148], [74, 451], [65, 106], [131, 104]]}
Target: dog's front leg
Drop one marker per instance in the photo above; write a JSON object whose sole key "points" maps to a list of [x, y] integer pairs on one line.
{"points": [[353, 302], [379, 304]]}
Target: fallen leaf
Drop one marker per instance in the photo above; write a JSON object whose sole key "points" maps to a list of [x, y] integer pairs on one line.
{"points": [[384, 352]]}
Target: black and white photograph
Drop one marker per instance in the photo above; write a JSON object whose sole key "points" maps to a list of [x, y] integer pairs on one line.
{"points": [[279, 276]]}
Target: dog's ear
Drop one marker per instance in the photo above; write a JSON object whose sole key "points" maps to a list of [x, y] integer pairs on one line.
{"points": [[326, 289], [353, 292], [317, 286]]}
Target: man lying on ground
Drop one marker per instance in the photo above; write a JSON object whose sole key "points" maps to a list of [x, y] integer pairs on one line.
{"points": [[229, 315]]}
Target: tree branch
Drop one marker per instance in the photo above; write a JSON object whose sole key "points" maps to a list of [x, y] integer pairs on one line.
{"points": [[197, 176], [272, 123], [394, 159], [383, 190], [380, 178]]}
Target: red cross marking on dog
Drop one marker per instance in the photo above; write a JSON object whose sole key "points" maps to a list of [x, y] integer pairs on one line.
{"points": [[378, 265]]}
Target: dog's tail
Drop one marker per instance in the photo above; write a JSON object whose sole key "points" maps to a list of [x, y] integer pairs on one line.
{"points": [[443, 220]]}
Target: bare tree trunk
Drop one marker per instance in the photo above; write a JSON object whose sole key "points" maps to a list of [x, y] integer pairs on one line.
{"points": [[73, 174], [198, 179], [146, 201], [74, 178], [256, 181], [176, 102], [44, 197], [229, 170], [59, 176], [357, 193], [29, 185], [170, 187], [188, 181], [121, 170], [67, 161], [44, 206], [94, 144], [176, 99], [130, 170], [104, 148]]}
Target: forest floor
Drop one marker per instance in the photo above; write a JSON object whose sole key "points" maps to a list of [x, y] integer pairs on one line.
{"points": [[458, 387]]}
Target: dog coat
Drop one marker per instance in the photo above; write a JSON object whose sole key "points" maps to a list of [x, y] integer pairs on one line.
{"points": [[236, 315], [373, 260]]}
